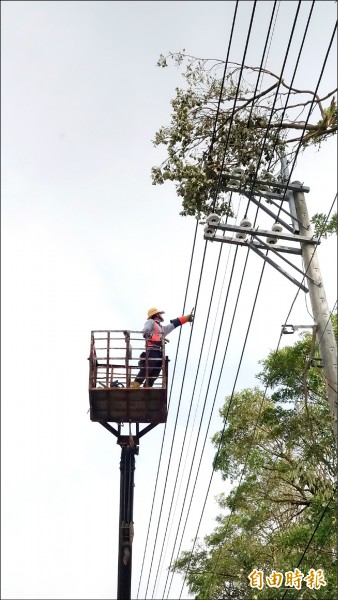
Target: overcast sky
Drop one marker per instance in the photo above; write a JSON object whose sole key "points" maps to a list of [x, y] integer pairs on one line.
{"points": [[88, 243]]}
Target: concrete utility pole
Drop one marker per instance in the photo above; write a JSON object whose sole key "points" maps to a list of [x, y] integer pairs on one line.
{"points": [[320, 309]]}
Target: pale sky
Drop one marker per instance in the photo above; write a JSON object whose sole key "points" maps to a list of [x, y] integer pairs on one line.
{"points": [[89, 243]]}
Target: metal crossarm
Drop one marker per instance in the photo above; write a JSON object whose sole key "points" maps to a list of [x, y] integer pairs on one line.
{"points": [[271, 262]]}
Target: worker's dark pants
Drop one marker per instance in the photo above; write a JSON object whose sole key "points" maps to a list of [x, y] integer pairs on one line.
{"points": [[154, 368]]}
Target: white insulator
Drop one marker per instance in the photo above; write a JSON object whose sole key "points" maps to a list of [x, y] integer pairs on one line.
{"points": [[238, 171], [271, 241], [234, 184], [277, 227], [213, 218], [241, 236], [209, 230], [263, 188], [245, 223]]}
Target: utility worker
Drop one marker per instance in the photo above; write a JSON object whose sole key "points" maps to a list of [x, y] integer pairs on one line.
{"points": [[153, 332]]}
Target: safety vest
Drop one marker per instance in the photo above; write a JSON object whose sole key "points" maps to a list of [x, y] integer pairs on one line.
{"points": [[155, 338]]}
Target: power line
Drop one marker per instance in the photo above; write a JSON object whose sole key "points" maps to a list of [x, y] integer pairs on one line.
{"points": [[240, 361], [235, 100], [193, 392], [259, 80], [188, 417], [164, 432], [224, 356], [199, 430], [202, 381], [223, 80], [311, 104], [209, 380], [289, 93], [276, 96], [173, 438]]}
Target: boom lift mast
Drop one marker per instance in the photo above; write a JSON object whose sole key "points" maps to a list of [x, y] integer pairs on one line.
{"points": [[112, 400]]}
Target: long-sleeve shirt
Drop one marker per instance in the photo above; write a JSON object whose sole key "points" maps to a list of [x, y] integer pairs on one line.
{"points": [[150, 327]]}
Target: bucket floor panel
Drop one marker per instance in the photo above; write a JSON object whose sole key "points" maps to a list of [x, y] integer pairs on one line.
{"points": [[124, 405]]}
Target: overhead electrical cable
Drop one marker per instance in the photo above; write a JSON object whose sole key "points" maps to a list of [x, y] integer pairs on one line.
{"points": [[194, 387], [254, 429], [275, 98], [235, 100], [265, 55], [319, 551], [264, 51], [332, 312], [186, 426], [193, 392], [312, 536], [311, 105], [211, 412], [194, 453], [280, 208], [190, 404], [225, 420], [223, 80], [165, 426], [183, 309], [175, 426], [271, 37], [284, 108], [206, 362], [189, 412]]}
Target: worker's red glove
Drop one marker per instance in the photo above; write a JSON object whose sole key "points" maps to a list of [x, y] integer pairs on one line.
{"points": [[186, 319]]}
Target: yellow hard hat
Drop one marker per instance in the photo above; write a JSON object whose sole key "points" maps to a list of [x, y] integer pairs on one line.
{"points": [[154, 311]]}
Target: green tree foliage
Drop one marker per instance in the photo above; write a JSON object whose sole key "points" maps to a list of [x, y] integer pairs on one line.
{"points": [[253, 128], [324, 227], [278, 451]]}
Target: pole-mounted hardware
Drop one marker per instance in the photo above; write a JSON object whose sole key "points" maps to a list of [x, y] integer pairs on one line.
{"points": [[300, 233], [292, 328]]}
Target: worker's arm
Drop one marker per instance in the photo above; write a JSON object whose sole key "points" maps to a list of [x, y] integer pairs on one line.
{"points": [[177, 323]]}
